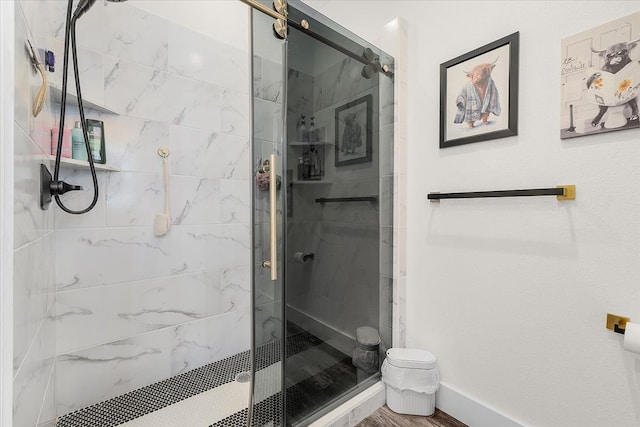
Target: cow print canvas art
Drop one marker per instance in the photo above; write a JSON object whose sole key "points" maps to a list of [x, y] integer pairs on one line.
{"points": [[600, 79]]}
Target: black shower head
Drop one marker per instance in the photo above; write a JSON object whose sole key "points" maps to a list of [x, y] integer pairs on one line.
{"points": [[85, 5]]}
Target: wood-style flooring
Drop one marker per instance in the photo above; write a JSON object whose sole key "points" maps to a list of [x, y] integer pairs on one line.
{"points": [[385, 417]]}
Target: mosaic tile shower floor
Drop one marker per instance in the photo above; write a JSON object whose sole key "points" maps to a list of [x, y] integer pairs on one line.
{"points": [[210, 397]]}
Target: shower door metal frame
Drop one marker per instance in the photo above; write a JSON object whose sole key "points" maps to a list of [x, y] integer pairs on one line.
{"points": [[274, 168]]}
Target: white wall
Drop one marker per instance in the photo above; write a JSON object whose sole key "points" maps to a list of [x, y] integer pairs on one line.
{"points": [[511, 295]]}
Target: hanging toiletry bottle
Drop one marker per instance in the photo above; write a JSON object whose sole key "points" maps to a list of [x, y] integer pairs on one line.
{"points": [[78, 148], [302, 130]]}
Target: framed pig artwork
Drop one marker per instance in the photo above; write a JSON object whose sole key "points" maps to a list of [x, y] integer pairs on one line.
{"points": [[479, 94], [600, 79]]}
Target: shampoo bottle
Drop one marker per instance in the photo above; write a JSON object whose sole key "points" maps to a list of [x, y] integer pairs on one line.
{"points": [[303, 134], [78, 148], [313, 134], [300, 168], [66, 142]]}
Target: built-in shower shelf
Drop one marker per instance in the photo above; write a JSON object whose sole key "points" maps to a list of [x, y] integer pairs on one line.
{"points": [[72, 100], [307, 143], [310, 181], [81, 164]]}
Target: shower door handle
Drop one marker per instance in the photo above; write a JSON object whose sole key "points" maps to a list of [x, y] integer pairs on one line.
{"points": [[272, 263]]}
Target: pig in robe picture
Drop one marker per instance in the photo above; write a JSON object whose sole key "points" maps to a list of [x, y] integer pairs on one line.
{"points": [[600, 79]]}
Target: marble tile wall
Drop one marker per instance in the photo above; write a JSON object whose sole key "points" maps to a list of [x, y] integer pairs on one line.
{"points": [[34, 296], [396, 40], [132, 308]]}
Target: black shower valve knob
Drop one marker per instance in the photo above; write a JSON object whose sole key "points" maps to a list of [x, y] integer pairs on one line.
{"points": [[61, 187]]}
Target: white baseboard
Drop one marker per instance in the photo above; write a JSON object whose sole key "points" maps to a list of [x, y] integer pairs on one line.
{"points": [[355, 410], [469, 411]]}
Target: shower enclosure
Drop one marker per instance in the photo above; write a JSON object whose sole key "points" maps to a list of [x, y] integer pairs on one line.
{"points": [[323, 111], [269, 299]]}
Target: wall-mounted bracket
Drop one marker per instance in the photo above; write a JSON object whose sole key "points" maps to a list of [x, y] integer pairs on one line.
{"points": [[49, 187], [569, 192], [617, 323]]}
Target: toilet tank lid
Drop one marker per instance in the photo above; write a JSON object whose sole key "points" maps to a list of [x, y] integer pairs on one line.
{"points": [[413, 358]]}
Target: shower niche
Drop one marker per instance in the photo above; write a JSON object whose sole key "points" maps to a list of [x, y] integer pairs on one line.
{"points": [[310, 162]]}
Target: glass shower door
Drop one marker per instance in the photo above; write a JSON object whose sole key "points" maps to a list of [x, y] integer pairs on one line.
{"points": [[268, 198], [323, 133], [337, 260]]}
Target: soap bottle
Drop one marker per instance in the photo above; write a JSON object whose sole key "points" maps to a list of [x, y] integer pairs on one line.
{"points": [[306, 168], [313, 137], [78, 147], [302, 130], [315, 162], [300, 168]]}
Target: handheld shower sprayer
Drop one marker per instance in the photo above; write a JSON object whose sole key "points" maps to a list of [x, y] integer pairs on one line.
{"points": [[56, 187], [83, 7]]}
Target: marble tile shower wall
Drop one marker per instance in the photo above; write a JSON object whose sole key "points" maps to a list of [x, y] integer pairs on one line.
{"points": [[344, 237], [34, 289], [133, 308]]}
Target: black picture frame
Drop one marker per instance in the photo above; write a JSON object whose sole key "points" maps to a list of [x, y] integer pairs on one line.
{"points": [[461, 122], [353, 131]]}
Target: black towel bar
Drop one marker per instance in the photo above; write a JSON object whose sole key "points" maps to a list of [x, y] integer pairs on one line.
{"points": [[372, 199], [562, 192]]}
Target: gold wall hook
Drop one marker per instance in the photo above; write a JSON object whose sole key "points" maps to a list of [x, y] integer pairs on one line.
{"points": [[163, 152]]}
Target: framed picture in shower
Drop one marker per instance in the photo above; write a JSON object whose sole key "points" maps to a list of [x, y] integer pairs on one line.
{"points": [[479, 94], [353, 139]]}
